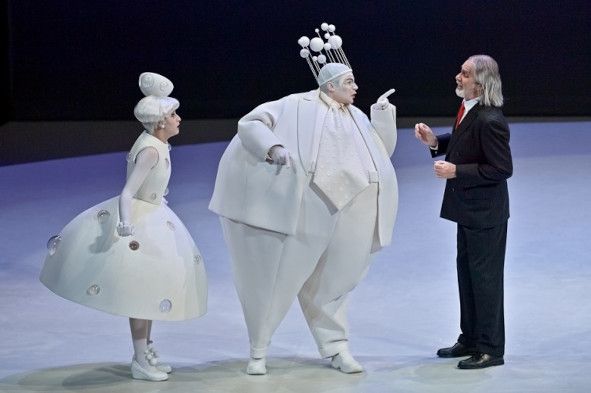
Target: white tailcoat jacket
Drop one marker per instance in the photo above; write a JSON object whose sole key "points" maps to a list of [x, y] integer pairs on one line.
{"points": [[250, 190]]}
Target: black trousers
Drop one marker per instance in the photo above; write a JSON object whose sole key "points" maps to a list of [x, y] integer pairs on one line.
{"points": [[480, 264]]}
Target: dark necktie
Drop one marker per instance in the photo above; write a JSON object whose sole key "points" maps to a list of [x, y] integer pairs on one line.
{"points": [[460, 114]]}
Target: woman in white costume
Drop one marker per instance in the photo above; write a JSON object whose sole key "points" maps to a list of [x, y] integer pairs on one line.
{"points": [[131, 255]]}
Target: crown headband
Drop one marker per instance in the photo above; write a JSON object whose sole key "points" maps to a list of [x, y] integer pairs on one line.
{"points": [[331, 50]]}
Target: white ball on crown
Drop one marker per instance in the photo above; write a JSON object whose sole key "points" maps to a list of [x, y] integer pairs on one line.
{"points": [[335, 41], [304, 41], [316, 44]]}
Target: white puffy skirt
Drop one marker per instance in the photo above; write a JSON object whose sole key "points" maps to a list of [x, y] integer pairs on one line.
{"points": [[157, 273]]}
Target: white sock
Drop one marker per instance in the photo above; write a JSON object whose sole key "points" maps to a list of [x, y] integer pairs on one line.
{"points": [[140, 347]]}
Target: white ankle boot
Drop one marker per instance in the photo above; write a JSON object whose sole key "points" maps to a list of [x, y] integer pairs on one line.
{"points": [[257, 366], [345, 362], [146, 371], [164, 367]]}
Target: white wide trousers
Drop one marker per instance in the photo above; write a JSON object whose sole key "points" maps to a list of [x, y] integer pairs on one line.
{"points": [[325, 259]]}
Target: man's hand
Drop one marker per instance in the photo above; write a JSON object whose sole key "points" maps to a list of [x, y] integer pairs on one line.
{"points": [[444, 169], [424, 133]]}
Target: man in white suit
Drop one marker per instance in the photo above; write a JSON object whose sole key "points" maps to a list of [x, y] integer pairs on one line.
{"points": [[306, 192]]}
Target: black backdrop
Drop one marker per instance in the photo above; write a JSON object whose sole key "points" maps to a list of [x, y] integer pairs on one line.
{"points": [[69, 69], [79, 60]]}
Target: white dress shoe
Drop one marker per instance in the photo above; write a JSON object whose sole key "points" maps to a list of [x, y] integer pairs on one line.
{"points": [[149, 373], [164, 367], [257, 366], [345, 362]]}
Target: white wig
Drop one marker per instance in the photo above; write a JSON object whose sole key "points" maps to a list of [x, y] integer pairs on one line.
{"points": [[153, 108]]}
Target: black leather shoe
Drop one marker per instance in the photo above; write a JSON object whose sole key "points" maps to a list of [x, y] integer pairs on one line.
{"points": [[480, 360], [456, 351]]}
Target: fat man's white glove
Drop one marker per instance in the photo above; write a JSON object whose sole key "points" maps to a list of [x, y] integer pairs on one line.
{"points": [[124, 229], [280, 155], [382, 103]]}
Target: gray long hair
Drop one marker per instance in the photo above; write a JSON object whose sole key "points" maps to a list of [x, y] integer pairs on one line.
{"points": [[486, 73]]}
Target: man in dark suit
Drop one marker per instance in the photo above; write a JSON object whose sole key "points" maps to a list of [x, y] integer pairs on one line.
{"points": [[477, 165]]}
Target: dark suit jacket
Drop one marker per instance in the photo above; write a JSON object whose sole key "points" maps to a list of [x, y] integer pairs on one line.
{"points": [[479, 148]]}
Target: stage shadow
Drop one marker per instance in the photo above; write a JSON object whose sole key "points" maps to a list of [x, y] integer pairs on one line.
{"points": [[284, 375], [406, 374]]}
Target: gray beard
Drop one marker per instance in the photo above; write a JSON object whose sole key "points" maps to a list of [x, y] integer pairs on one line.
{"points": [[460, 92]]}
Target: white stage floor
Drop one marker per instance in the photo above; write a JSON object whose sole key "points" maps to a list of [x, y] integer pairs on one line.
{"points": [[404, 310]]}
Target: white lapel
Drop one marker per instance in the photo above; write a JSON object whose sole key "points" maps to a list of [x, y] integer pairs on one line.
{"points": [[310, 121]]}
